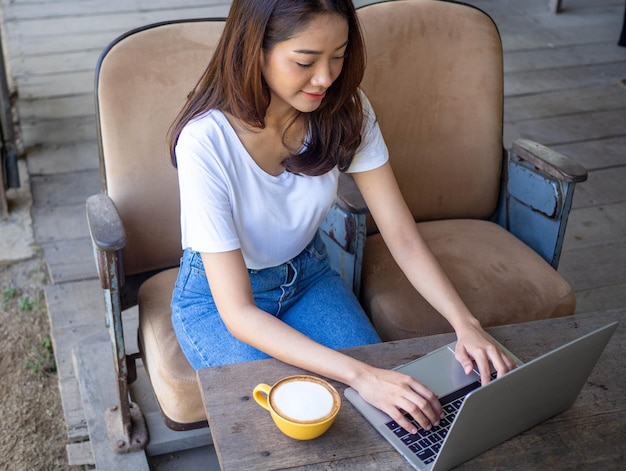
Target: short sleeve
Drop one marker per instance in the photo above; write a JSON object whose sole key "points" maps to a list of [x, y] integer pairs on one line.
{"points": [[206, 213], [372, 153]]}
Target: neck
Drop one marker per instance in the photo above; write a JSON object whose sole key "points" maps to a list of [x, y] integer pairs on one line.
{"points": [[279, 117]]}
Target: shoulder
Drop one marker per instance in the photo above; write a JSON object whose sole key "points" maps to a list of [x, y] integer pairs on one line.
{"points": [[204, 127], [369, 114], [206, 144]]}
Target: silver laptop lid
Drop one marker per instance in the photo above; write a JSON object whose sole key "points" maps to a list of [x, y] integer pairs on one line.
{"points": [[523, 398], [505, 407]]}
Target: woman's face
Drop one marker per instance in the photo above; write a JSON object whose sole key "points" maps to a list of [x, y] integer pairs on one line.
{"points": [[299, 70]]}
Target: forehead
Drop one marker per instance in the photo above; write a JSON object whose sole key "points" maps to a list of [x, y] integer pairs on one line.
{"points": [[327, 28]]}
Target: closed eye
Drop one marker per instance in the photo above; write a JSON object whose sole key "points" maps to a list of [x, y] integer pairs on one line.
{"points": [[303, 65]]}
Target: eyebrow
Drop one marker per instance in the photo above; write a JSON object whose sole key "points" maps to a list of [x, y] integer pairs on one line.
{"points": [[309, 51]]}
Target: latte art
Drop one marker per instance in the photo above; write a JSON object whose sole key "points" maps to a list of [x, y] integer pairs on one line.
{"points": [[302, 401]]}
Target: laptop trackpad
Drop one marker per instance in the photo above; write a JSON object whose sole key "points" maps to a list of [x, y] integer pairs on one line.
{"points": [[439, 371]]}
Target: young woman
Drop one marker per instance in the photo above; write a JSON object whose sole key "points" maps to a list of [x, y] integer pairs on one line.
{"points": [[259, 147]]}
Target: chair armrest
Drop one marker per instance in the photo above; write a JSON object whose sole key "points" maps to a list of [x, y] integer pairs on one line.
{"points": [[549, 161], [108, 239], [536, 196], [349, 197], [105, 225]]}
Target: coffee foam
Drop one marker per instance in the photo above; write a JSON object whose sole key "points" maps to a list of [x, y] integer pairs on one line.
{"points": [[302, 401]]}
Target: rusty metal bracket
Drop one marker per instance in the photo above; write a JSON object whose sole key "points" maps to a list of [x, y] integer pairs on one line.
{"points": [[126, 435]]}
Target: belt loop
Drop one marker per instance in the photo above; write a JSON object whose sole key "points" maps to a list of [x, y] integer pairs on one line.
{"points": [[291, 273]]}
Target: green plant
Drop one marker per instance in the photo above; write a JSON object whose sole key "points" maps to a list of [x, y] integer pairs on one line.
{"points": [[41, 359], [9, 294], [27, 303]]}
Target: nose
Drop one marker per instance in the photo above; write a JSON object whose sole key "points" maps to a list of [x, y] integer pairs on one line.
{"points": [[323, 76]]}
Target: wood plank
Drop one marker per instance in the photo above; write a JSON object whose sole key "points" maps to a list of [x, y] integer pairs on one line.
{"points": [[72, 106], [594, 267], [97, 383], [39, 45], [549, 454], [202, 458], [604, 186], [531, 81], [58, 132], [60, 223], [62, 189], [80, 454], [116, 23], [70, 260], [604, 97], [570, 128], [49, 64], [521, 40], [65, 340], [73, 409], [596, 154], [74, 157], [21, 10], [74, 305], [74, 309], [596, 225], [601, 298], [58, 85], [564, 56], [164, 440]]}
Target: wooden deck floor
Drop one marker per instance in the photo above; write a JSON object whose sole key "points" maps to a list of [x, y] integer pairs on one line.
{"points": [[564, 85]]}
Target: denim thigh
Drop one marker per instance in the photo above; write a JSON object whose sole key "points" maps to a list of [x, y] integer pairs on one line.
{"points": [[303, 292]]}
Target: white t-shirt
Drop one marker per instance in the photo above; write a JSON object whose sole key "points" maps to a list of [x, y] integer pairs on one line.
{"points": [[228, 202]]}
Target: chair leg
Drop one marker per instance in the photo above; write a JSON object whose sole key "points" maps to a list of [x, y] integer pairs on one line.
{"points": [[555, 6], [126, 425], [622, 38]]}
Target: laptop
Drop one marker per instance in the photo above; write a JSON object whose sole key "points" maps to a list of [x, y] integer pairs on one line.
{"points": [[478, 418]]}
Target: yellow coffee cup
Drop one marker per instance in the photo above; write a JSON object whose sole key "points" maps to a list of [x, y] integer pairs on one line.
{"points": [[302, 406]]}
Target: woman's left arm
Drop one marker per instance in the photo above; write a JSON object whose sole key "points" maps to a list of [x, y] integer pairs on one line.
{"points": [[401, 235]]}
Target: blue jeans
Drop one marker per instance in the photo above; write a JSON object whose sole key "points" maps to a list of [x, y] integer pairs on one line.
{"points": [[304, 292]]}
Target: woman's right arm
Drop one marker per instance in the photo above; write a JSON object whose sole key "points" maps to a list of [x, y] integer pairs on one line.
{"points": [[387, 390]]}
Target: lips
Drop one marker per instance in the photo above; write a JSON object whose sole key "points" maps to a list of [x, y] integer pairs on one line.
{"points": [[314, 96]]}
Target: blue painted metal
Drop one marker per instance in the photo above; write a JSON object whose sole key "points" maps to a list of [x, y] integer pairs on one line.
{"points": [[534, 207], [344, 235], [537, 191]]}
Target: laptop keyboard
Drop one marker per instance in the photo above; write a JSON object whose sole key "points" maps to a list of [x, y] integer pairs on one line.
{"points": [[425, 444]]}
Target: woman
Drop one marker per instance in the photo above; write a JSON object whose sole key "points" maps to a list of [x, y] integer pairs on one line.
{"points": [[259, 147]]}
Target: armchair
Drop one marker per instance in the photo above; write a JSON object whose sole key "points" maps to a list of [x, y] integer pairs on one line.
{"points": [[495, 219], [434, 77]]}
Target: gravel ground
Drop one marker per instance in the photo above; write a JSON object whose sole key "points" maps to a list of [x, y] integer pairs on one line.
{"points": [[32, 428]]}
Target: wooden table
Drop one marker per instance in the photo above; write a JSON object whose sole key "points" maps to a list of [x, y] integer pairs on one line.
{"points": [[589, 435]]}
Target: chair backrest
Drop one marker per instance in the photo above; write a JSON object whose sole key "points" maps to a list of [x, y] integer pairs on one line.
{"points": [[434, 76], [142, 82]]}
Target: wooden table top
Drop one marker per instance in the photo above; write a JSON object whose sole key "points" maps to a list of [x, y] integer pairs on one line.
{"points": [[589, 435]]}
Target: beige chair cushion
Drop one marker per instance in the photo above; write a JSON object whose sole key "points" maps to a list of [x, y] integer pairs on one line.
{"points": [[501, 280], [173, 379]]}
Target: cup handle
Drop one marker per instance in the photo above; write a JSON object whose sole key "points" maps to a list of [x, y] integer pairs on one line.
{"points": [[260, 393]]}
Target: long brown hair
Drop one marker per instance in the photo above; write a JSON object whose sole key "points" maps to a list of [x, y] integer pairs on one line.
{"points": [[233, 81]]}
